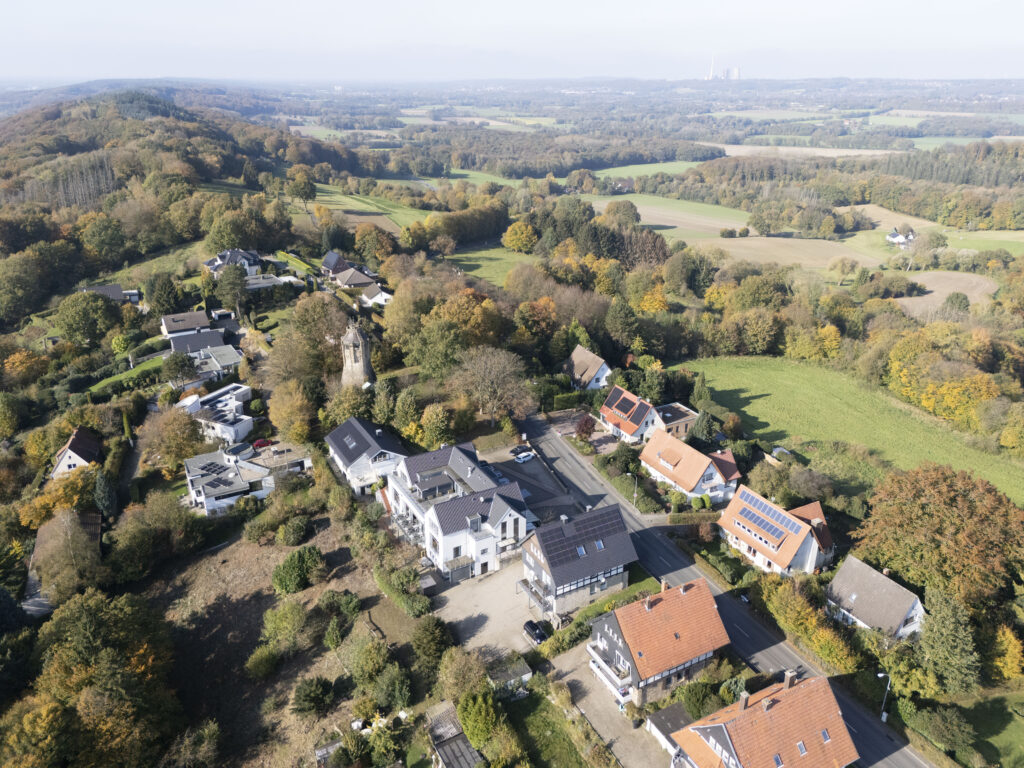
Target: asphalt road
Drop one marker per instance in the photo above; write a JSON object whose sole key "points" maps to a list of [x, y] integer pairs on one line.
{"points": [[760, 646]]}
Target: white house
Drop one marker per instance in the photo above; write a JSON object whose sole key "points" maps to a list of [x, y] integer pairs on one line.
{"points": [[774, 540], [214, 363], [84, 447], [184, 322], [446, 503], [247, 260], [217, 480], [898, 239], [628, 417], [221, 414], [374, 295], [669, 460], [860, 595], [363, 452], [587, 370]]}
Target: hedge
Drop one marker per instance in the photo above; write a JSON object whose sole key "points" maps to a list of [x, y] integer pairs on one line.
{"points": [[391, 583]]}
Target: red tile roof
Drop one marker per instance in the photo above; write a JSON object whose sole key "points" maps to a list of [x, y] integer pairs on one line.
{"points": [[683, 464], [671, 628], [621, 406], [776, 721], [782, 549], [814, 516]]}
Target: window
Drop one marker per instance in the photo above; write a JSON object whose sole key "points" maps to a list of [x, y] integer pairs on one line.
{"points": [[483, 551], [581, 551], [456, 552], [824, 735], [778, 761], [599, 544], [801, 747]]}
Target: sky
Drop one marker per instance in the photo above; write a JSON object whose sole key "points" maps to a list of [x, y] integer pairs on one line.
{"points": [[398, 40]]}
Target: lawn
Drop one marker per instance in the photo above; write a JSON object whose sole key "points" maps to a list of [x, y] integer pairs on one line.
{"points": [[541, 727], [131, 373], [488, 262], [782, 401], [775, 114], [170, 260], [361, 207], [477, 177], [1000, 731], [678, 219], [297, 264], [646, 169]]}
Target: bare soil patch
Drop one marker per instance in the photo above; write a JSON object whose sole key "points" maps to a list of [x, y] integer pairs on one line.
{"points": [[886, 219], [810, 254], [978, 288]]}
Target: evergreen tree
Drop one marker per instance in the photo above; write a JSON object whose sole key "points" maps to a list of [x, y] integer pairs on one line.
{"points": [[383, 402], [700, 391], [620, 322], [105, 495], [406, 410], [947, 645]]}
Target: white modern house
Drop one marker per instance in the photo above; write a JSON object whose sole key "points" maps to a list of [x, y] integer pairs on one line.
{"points": [[446, 503], [669, 460], [221, 414], [217, 480], [214, 363], [861, 596], [364, 452], [247, 260]]}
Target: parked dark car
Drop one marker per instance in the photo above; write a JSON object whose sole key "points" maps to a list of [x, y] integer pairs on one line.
{"points": [[520, 449], [534, 631]]}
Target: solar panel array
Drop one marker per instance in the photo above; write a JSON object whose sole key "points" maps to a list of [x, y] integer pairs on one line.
{"points": [[769, 511], [625, 404], [640, 414], [772, 530], [564, 549], [213, 468]]}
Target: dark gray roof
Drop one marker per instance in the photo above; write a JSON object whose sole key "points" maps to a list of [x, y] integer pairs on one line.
{"points": [[352, 276], [488, 504], [670, 719], [112, 291], [559, 541], [185, 321], [357, 437], [238, 256], [193, 342], [334, 262], [871, 597], [85, 444], [448, 739], [673, 412], [460, 459]]}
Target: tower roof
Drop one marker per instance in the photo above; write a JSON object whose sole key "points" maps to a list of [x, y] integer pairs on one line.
{"points": [[354, 335]]}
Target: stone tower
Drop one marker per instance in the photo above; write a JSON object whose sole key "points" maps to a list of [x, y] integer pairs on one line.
{"points": [[355, 350]]}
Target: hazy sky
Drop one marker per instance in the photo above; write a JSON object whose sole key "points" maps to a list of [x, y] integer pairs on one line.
{"points": [[74, 40]]}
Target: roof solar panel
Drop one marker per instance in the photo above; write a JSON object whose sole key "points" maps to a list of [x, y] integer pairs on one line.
{"points": [[772, 530], [640, 414], [625, 404], [771, 512]]}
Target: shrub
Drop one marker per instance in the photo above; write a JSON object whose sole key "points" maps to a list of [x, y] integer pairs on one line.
{"points": [[696, 698], [335, 633], [263, 661], [339, 603], [313, 696], [294, 531], [303, 567], [397, 585], [391, 688], [561, 695], [697, 502], [479, 717], [282, 625]]}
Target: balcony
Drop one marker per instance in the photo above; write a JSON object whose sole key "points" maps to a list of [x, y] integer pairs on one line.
{"points": [[615, 679]]}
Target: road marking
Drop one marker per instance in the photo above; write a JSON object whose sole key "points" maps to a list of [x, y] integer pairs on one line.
{"points": [[740, 629]]}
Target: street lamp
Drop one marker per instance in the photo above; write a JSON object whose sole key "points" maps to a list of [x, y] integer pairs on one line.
{"points": [[630, 474], [886, 696]]}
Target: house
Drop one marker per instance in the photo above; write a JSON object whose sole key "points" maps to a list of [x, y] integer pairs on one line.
{"points": [[774, 540], [84, 447], [628, 417], [184, 322], [351, 278], [333, 263], [666, 721], [214, 363], [451, 747], [247, 260], [642, 650], [858, 594], [787, 724], [217, 480], [669, 460], [899, 239], [221, 414], [587, 370], [570, 563], [374, 295], [446, 503], [196, 342], [677, 419], [114, 292], [363, 452]]}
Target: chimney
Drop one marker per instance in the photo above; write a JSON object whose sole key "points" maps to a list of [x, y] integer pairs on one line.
{"points": [[789, 679], [744, 699], [664, 585], [766, 703], [564, 518], [647, 604]]}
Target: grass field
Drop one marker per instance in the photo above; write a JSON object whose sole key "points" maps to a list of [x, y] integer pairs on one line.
{"points": [[646, 169], [774, 114], [132, 373], [488, 262], [677, 219], [782, 400], [384, 213], [978, 288], [542, 729], [1000, 732], [477, 177], [898, 120]]}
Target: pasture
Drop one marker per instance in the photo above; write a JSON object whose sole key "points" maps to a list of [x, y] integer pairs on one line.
{"points": [[810, 254], [488, 262], [748, 150], [677, 219], [646, 169], [477, 177], [784, 401], [775, 114], [386, 214], [978, 288]]}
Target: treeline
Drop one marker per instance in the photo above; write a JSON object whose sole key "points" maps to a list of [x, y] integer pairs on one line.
{"points": [[982, 164]]}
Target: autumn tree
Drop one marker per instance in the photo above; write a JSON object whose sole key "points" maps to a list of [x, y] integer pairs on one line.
{"points": [[844, 265], [1007, 654], [303, 188], [291, 412], [406, 410], [83, 318], [435, 423], [177, 367], [308, 347], [494, 380], [345, 403], [66, 558], [169, 437], [459, 673], [944, 529], [520, 237], [585, 426]]}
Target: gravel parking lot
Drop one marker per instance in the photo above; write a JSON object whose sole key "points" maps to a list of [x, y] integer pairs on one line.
{"points": [[485, 612]]}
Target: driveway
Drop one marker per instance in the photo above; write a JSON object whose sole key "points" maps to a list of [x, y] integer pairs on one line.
{"points": [[485, 612], [634, 747]]}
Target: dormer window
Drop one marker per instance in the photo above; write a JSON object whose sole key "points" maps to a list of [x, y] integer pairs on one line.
{"points": [[778, 761], [800, 746], [824, 735]]}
